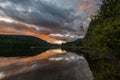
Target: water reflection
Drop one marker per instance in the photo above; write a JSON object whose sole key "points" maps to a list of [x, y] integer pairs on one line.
{"points": [[10, 52], [51, 53], [52, 64], [67, 57]]}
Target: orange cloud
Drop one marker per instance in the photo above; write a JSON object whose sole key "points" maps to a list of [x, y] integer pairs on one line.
{"points": [[86, 5], [10, 29], [5, 29], [50, 39]]}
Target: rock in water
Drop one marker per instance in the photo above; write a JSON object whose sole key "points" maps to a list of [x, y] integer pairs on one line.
{"points": [[67, 66]]}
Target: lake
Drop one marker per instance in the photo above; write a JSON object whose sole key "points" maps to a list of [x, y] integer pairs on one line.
{"points": [[53, 64]]}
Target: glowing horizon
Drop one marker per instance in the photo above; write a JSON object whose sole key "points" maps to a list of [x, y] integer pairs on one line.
{"points": [[45, 20]]}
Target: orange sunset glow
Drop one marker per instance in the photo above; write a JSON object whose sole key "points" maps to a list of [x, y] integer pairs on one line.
{"points": [[29, 60], [86, 5], [9, 30], [44, 21]]}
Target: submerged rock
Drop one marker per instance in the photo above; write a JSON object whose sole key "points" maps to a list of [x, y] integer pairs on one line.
{"points": [[62, 66]]}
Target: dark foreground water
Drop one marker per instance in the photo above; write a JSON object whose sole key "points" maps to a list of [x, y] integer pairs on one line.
{"points": [[54, 64]]}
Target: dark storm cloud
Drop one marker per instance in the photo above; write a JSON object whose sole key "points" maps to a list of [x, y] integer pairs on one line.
{"points": [[60, 15], [38, 13]]}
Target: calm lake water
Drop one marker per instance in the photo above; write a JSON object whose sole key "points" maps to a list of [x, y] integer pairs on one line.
{"points": [[54, 64]]}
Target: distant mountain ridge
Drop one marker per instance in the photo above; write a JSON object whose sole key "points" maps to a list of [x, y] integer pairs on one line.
{"points": [[23, 37], [22, 45], [22, 41]]}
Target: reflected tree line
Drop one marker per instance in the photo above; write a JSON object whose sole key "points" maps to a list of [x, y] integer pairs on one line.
{"points": [[101, 46], [14, 45]]}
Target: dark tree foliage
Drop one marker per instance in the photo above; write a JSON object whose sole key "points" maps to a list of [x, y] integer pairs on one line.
{"points": [[102, 42], [19, 45], [101, 46]]}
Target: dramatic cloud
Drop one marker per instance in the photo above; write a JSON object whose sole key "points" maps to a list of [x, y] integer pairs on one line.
{"points": [[65, 20]]}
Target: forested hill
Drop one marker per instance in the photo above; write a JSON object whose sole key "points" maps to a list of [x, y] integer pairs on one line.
{"points": [[21, 45], [102, 43], [101, 46], [22, 41]]}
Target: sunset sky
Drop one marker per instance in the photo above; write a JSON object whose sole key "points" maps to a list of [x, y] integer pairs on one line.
{"points": [[56, 21]]}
